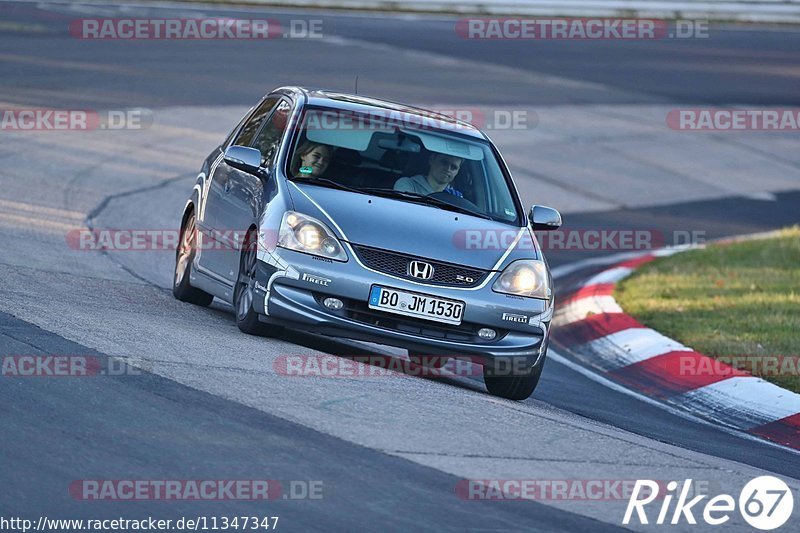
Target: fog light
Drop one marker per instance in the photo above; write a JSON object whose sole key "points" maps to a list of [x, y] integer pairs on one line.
{"points": [[333, 303], [487, 334]]}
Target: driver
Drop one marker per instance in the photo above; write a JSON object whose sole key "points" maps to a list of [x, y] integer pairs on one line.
{"points": [[442, 170]]}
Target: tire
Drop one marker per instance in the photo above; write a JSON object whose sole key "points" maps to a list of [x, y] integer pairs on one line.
{"points": [[244, 291], [184, 257], [514, 387]]}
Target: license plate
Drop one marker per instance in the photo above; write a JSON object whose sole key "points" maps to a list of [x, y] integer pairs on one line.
{"points": [[417, 305]]}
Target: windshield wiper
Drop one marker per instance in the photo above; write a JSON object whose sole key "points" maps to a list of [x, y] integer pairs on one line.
{"points": [[323, 182], [423, 199]]}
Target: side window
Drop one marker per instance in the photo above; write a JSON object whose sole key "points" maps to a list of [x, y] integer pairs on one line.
{"points": [[245, 137], [270, 135], [235, 129]]}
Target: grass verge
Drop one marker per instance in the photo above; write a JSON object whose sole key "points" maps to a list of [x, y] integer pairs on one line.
{"points": [[738, 302]]}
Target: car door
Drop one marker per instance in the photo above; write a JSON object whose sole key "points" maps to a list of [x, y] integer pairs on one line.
{"points": [[243, 193], [217, 239]]}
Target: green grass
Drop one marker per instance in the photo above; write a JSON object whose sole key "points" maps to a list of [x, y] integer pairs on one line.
{"points": [[726, 300]]}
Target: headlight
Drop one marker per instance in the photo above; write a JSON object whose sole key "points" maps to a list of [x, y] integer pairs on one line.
{"points": [[524, 278], [307, 234]]}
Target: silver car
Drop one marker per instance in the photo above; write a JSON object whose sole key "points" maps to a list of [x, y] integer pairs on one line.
{"points": [[354, 217]]}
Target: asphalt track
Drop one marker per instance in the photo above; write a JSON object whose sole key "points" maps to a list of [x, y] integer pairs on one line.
{"points": [[389, 451]]}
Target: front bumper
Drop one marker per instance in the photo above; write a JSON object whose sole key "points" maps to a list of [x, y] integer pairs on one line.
{"points": [[291, 286]]}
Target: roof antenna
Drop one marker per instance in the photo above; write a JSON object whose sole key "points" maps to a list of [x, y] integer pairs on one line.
{"points": [[356, 84]]}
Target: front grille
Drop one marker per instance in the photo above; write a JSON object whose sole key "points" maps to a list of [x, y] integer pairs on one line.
{"points": [[464, 332], [396, 264]]}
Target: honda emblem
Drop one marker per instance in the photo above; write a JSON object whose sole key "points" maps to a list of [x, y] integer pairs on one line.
{"points": [[420, 269]]}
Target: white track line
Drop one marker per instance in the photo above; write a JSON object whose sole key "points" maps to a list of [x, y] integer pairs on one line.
{"points": [[597, 378]]}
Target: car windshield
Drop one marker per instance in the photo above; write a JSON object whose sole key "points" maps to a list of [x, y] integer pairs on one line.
{"points": [[408, 159]]}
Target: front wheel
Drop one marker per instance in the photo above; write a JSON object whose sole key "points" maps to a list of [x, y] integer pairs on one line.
{"points": [[244, 291], [515, 386]]}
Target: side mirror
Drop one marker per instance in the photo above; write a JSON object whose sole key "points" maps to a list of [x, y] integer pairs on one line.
{"points": [[544, 218], [243, 158]]}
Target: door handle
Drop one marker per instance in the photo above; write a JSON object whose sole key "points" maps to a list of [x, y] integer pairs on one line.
{"points": [[227, 186]]}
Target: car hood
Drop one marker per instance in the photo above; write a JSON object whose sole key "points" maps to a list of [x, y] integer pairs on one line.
{"points": [[414, 229]]}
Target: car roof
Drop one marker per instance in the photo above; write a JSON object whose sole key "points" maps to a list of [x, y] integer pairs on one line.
{"points": [[366, 104]]}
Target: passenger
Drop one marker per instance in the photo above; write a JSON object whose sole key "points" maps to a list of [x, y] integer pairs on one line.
{"points": [[311, 159], [442, 171]]}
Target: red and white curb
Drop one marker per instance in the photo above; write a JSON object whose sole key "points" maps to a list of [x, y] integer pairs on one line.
{"points": [[601, 335]]}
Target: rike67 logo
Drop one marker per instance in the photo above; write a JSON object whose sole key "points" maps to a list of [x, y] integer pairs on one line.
{"points": [[765, 503]]}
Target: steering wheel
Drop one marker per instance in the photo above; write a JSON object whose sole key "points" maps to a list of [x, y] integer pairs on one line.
{"points": [[455, 200]]}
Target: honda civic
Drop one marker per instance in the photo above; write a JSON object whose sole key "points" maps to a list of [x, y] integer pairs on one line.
{"points": [[354, 217]]}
